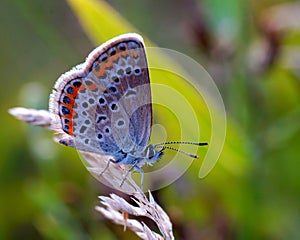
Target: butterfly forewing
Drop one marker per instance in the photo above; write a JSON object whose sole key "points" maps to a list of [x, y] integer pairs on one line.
{"points": [[105, 104]]}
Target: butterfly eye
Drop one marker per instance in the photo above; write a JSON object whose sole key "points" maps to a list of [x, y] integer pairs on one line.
{"points": [[150, 152]]}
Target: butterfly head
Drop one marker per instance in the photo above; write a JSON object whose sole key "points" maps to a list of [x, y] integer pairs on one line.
{"points": [[153, 154], [139, 157]]}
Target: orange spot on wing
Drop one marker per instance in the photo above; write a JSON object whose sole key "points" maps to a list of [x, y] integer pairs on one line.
{"points": [[93, 87], [82, 88], [99, 73], [124, 53], [70, 130], [114, 58], [109, 63], [135, 54]]}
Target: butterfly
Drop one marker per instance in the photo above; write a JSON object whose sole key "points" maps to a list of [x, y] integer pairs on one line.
{"points": [[105, 106]]}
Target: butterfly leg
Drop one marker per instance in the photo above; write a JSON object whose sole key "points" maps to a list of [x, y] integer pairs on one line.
{"points": [[107, 165], [140, 170], [130, 169]]}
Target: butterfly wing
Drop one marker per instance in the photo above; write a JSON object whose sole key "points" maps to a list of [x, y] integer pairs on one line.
{"points": [[105, 103]]}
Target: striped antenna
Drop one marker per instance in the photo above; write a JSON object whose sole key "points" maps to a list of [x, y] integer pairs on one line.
{"points": [[163, 146], [178, 142], [177, 150]]}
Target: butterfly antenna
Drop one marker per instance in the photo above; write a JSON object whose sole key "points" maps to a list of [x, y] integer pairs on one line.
{"points": [[177, 150], [178, 142]]}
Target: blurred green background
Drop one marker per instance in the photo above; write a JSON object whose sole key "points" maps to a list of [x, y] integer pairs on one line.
{"points": [[250, 48]]}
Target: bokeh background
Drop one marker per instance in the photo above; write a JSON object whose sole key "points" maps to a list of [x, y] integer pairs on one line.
{"points": [[251, 49]]}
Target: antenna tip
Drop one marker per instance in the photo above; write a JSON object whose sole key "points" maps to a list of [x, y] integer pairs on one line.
{"points": [[203, 143]]}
